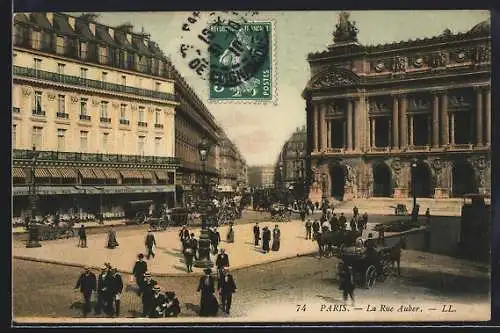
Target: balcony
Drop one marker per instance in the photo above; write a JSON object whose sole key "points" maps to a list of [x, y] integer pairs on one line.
{"points": [[158, 125], [62, 115], [19, 154], [142, 124], [16, 110], [124, 122], [105, 120], [94, 84], [38, 113], [84, 117]]}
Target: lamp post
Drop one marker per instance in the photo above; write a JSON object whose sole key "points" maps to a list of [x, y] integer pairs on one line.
{"points": [[33, 240], [414, 193], [204, 241], [281, 184]]}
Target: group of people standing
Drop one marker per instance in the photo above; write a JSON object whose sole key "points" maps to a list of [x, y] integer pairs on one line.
{"points": [[226, 286], [266, 237]]}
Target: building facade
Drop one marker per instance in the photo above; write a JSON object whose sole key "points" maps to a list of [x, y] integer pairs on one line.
{"points": [[396, 119], [261, 176], [232, 166], [98, 103]]}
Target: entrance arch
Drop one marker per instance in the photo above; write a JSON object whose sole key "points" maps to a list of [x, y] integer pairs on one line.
{"points": [[421, 180], [382, 180], [463, 179], [337, 181]]}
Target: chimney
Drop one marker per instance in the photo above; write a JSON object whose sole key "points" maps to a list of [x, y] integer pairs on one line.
{"points": [[50, 18], [92, 28], [71, 21], [111, 32]]}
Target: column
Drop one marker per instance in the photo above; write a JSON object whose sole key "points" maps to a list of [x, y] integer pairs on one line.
{"points": [[479, 117], [435, 121], [445, 131], [429, 129], [372, 132], [390, 134], [315, 127], [411, 129], [349, 124], [329, 133], [322, 124], [395, 122], [487, 110], [403, 120], [452, 129], [344, 144]]}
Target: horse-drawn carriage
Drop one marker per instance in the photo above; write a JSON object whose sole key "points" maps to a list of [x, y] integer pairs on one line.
{"points": [[280, 213], [331, 242], [137, 212]]}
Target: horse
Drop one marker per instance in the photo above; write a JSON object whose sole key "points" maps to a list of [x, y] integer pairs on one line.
{"points": [[395, 253]]}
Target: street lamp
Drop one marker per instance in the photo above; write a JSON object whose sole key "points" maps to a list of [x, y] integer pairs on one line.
{"points": [[33, 240], [414, 193], [281, 183], [204, 241]]}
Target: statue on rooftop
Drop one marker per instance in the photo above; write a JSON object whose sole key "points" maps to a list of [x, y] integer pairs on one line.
{"points": [[346, 31]]}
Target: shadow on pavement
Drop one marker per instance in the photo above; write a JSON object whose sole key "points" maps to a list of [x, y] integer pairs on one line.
{"points": [[192, 307], [174, 253]]}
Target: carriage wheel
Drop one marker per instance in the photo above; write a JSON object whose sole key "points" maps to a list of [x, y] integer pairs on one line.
{"points": [[370, 276]]}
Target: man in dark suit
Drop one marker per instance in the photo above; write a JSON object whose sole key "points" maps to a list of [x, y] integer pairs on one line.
{"points": [[147, 295], [87, 283], [215, 239], [173, 306], [194, 245], [82, 234], [256, 234], [103, 290], [150, 242], [140, 268], [117, 289], [226, 288], [221, 262]]}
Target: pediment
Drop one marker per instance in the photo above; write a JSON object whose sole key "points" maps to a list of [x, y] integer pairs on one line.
{"points": [[333, 78]]}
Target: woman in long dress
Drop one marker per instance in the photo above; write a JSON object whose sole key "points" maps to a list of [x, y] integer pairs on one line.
{"points": [[266, 237], [276, 238], [112, 243], [209, 306], [230, 235]]}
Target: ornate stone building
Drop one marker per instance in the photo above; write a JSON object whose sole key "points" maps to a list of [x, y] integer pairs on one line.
{"points": [[381, 116], [98, 104], [261, 176], [232, 167], [293, 158]]}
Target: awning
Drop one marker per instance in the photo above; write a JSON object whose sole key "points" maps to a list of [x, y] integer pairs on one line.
{"points": [[131, 174], [87, 173], [18, 173], [111, 174], [42, 173], [162, 175], [147, 175], [54, 173], [68, 173], [100, 174]]}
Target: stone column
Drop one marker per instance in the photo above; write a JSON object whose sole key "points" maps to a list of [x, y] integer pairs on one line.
{"points": [[344, 144], [435, 121], [390, 133], [411, 129], [445, 131], [479, 117], [452, 130], [329, 133], [395, 122], [361, 123], [322, 126], [487, 110], [349, 124], [429, 129], [403, 119], [372, 132], [315, 127]]}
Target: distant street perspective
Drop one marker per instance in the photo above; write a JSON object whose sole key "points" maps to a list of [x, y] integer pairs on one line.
{"points": [[361, 194]]}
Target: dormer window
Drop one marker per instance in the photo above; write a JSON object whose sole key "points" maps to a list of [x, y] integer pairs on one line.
{"points": [[36, 37], [103, 54], [82, 50], [60, 45]]}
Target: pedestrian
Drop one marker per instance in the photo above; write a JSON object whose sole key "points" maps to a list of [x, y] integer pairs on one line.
{"points": [[184, 236], [82, 234], [87, 283], [230, 234], [346, 281], [150, 242], [188, 257], [103, 290], [308, 229], [325, 226], [276, 238], [316, 227], [365, 220], [353, 223], [256, 234], [112, 242], [342, 222], [215, 239], [158, 303], [117, 289], [428, 217], [355, 211], [266, 238], [140, 268], [173, 308], [194, 245], [226, 287], [208, 302], [221, 262], [147, 295], [303, 214]]}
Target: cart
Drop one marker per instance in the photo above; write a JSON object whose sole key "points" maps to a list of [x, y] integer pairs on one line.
{"points": [[136, 212]]}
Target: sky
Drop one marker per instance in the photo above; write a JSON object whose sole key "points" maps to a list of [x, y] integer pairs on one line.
{"points": [[259, 131]]}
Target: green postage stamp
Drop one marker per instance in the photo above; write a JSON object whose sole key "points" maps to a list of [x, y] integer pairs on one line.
{"points": [[241, 62]]}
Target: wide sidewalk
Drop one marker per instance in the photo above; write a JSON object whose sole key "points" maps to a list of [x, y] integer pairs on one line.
{"points": [[169, 260]]}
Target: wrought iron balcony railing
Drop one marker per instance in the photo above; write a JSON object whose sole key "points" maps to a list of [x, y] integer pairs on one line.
{"points": [[158, 125], [124, 122], [85, 117], [142, 124], [94, 84], [105, 120], [62, 115], [16, 110], [38, 113], [20, 154]]}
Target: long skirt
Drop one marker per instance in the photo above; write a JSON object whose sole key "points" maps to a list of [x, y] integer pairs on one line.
{"points": [[230, 236], [276, 245], [209, 306], [265, 245]]}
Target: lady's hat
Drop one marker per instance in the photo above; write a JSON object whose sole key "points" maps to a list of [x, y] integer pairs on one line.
{"points": [[156, 288], [147, 274], [170, 294], [207, 270], [107, 265]]}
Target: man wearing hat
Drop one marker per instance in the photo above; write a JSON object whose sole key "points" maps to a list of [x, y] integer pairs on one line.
{"points": [[221, 262], [103, 289], [158, 303], [256, 234], [140, 268], [226, 288], [147, 294], [117, 289], [87, 283], [150, 242], [208, 303], [83, 236], [215, 239], [173, 306]]}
